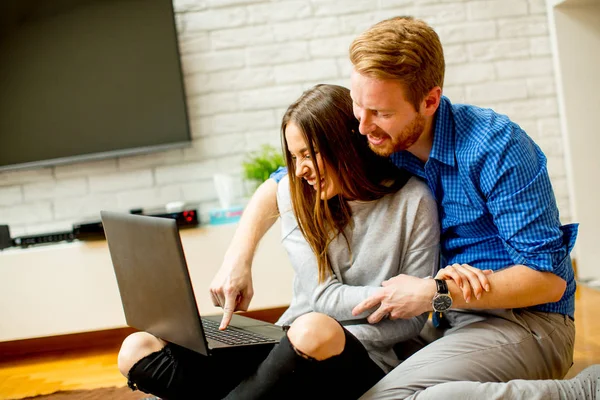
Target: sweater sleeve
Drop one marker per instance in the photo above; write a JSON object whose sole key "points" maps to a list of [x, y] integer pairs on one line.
{"points": [[304, 263]]}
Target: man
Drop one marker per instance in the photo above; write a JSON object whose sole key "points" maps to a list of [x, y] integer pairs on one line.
{"points": [[497, 211]]}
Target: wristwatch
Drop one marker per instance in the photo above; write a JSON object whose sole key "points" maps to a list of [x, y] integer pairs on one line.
{"points": [[442, 300]]}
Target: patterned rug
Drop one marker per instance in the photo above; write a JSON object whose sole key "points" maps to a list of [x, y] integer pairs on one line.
{"points": [[112, 393]]}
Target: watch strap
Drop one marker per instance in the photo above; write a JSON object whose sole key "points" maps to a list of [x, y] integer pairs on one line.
{"points": [[442, 286]]}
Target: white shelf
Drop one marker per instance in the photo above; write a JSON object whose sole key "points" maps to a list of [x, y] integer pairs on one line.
{"points": [[71, 288]]}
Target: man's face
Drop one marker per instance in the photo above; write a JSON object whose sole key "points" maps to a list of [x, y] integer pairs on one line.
{"points": [[388, 120]]}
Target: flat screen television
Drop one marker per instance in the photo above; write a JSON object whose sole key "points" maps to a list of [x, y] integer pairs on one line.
{"points": [[88, 79]]}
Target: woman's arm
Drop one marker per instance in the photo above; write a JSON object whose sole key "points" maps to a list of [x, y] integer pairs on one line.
{"points": [[231, 288]]}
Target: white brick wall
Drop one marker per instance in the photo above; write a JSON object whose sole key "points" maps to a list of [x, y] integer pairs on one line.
{"points": [[244, 61]]}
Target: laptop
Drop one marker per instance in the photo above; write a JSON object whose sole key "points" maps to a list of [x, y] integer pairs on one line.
{"points": [[157, 293]]}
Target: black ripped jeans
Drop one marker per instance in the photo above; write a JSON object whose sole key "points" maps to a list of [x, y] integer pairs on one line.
{"points": [[256, 373]]}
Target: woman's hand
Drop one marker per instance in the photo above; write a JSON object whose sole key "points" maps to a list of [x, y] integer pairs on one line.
{"points": [[471, 280], [231, 289]]}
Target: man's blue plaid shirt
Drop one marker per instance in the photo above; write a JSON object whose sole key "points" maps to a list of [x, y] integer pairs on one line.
{"points": [[495, 200]]}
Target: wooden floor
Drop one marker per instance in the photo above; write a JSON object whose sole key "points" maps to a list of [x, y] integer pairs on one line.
{"points": [[68, 370], [92, 368]]}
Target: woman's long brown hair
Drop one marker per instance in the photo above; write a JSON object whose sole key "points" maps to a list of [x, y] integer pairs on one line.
{"points": [[324, 115]]}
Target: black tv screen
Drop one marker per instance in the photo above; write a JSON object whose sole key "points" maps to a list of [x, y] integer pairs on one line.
{"points": [[88, 79]]}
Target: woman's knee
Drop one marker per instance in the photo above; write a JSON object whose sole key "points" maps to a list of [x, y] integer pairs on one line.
{"points": [[135, 347], [317, 335]]}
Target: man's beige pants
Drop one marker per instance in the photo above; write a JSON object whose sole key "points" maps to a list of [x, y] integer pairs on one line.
{"points": [[494, 346]]}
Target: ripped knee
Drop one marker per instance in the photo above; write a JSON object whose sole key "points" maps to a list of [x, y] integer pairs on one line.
{"points": [[135, 347], [317, 336]]}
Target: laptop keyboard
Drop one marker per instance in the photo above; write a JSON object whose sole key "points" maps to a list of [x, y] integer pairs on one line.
{"points": [[231, 335]]}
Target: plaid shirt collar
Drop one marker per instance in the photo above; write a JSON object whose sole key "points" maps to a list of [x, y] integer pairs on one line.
{"points": [[442, 149], [443, 135]]}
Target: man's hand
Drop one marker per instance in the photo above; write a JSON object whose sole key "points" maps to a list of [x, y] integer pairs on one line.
{"points": [[232, 289], [470, 280], [403, 296]]}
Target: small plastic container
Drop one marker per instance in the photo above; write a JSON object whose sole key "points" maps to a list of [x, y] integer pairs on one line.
{"points": [[220, 216]]}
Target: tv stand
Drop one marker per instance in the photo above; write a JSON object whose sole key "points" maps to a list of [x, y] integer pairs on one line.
{"points": [[71, 288]]}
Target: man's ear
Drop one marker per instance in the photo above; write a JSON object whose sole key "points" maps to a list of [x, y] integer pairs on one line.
{"points": [[431, 102]]}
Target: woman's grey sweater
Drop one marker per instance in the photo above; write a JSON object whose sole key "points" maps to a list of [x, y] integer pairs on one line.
{"points": [[397, 234]]}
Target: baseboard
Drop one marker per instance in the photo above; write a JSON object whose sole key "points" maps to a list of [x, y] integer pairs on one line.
{"points": [[97, 339], [268, 315], [61, 343]]}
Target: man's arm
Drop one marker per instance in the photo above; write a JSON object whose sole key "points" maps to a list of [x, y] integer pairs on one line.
{"points": [[515, 287], [511, 173], [231, 288]]}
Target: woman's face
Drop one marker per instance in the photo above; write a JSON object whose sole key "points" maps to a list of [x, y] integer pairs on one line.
{"points": [[304, 166]]}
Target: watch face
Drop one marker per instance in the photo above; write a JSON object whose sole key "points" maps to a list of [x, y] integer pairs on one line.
{"points": [[442, 303]]}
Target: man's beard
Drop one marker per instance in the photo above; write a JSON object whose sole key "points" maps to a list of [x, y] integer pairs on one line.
{"points": [[409, 136]]}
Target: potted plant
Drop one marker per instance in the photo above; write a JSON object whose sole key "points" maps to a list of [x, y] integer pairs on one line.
{"points": [[260, 164]]}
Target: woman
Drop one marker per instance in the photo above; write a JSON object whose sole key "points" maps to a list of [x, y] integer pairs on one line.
{"points": [[350, 220]]}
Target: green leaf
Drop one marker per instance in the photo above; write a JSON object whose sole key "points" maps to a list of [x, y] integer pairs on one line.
{"points": [[260, 164]]}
